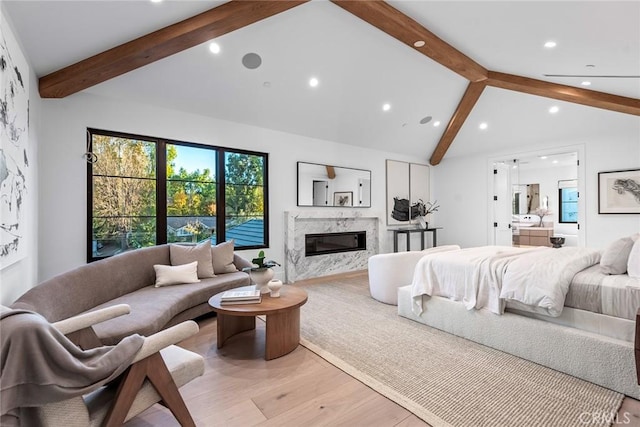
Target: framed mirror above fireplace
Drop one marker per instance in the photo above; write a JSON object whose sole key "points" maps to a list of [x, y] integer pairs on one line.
{"points": [[333, 186]]}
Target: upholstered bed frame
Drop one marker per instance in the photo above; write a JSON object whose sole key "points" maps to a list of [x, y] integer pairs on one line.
{"points": [[609, 362]]}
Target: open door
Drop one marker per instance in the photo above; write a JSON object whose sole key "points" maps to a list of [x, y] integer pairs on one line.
{"points": [[502, 204], [320, 193], [523, 186]]}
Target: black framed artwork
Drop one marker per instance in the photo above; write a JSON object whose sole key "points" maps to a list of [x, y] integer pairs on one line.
{"points": [[619, 192], [343, 198]]}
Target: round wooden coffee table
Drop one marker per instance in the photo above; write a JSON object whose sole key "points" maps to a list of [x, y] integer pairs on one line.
{"points": [[283, 319]]}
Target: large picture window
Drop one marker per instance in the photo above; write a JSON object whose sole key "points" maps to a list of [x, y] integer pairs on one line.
{"points": [[145, 191]]}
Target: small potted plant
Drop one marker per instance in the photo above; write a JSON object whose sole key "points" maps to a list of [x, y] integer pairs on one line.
{"points": [[425, 209], [262, 272]]}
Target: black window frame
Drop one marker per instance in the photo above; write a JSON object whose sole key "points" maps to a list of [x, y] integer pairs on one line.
{"points": [[161, 187], [560, 203]]}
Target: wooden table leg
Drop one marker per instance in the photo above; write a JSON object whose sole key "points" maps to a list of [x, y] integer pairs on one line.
{"points": [[228, 326], [283, 333]]}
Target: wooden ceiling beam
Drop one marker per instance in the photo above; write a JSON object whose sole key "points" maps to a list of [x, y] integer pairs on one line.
{"points": [[562, 92], [159, 44], [468, 101], [398, 25], [237, 14], [331, 172]]}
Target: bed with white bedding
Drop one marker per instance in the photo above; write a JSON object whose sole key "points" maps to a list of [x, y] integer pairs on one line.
{"points": [[498, 296], [537, 279]]}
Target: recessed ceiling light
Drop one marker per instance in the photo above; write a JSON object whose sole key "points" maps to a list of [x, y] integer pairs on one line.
{"points": [[554, 109], [419, 43], [313, 82], [214, 47], [550, 44], [555, 161], [483, 125], [436, 123], [586, 83], [543, 157], [156, 1], [386, 107], [515, 166]]}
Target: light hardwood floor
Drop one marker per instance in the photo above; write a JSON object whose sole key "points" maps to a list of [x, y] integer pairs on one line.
{"points": [[240, 388]]}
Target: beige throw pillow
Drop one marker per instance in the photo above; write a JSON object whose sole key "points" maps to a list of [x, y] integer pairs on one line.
{"points": [[616, 256], [175, 275], [633, 265], [222, 258], [183, 254]]}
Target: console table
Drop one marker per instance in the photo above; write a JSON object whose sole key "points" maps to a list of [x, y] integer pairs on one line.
{"points": [[407, 232]]}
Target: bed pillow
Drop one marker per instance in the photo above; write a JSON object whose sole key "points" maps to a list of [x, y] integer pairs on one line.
{"points": [[222, 258], [616, 256], [633, 265], [186, 254], [174, 275]]}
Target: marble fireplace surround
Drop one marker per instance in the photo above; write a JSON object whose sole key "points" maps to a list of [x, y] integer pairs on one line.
{"points": [[298, 223]]}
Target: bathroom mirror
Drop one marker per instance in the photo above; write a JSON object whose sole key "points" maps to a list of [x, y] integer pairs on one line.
{"points": [[333, 186], [526, 198]]}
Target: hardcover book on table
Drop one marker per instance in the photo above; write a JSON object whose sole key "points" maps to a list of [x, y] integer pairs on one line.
{"points": [[243, 301], [240, 296]]}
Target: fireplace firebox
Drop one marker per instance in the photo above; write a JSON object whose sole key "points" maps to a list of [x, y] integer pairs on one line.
{"points": [[331, 243]]}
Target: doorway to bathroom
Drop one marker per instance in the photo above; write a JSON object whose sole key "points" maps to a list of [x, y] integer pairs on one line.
{"points": [[536, 196]]}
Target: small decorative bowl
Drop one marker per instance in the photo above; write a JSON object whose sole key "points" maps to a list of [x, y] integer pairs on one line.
{"points": [[557, 242], [274, 287]]}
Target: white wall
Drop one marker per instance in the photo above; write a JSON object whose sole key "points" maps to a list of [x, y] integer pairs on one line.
{"points": [[22, 275], [461, 187], [63, 206]]}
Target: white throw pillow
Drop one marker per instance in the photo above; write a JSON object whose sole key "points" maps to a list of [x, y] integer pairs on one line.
{"points": [[174, 275], [222, 258], [616, 256], [186, 254], [633, 265]]}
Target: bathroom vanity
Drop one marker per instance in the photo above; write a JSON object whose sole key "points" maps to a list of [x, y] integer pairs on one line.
{"points": [[533, 236]]}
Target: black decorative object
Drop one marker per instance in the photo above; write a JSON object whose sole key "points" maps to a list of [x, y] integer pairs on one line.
{"points": [[404, 211], [557, 242]]}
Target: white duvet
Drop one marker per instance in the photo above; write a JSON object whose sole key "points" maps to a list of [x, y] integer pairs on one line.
{"points": [[489, 276]]}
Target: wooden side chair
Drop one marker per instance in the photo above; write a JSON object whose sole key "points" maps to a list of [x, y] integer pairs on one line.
{"points": [[154, 376]]}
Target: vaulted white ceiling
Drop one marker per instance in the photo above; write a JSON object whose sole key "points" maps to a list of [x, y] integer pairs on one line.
{"points": [[360, 68]]}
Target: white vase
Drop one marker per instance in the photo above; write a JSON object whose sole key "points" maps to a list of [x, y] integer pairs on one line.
{"points": [[424, 224], [274, 288], [261, 279]]}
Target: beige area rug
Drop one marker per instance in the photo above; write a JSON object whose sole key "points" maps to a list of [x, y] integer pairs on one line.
{"points": [[442, 379]]}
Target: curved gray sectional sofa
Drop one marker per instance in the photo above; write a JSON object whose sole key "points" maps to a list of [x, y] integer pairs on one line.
{"points": [[129, 279]]}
